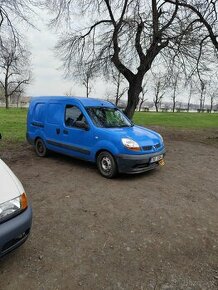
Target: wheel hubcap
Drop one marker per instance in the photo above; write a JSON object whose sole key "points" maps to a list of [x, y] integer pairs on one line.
{"points": [[40, 148], [106, 164]]}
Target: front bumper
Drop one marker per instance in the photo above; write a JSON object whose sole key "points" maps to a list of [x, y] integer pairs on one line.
{"points": [[15, 231], [137, 163]]}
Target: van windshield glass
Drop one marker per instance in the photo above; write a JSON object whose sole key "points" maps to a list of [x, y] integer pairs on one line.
{"points": [[108, 117]]}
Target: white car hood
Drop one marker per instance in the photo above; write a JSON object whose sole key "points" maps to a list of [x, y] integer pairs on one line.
{"points": [[10, 186]]}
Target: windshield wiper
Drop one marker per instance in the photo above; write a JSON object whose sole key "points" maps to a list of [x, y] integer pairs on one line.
{"points": [[123, 126]]}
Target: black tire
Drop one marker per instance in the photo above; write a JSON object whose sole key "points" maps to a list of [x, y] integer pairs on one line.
{"points": [[106, 164], [40, 148]]}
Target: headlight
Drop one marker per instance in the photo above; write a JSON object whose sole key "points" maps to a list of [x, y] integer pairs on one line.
{"points": [[12, 207], [130, 144]]}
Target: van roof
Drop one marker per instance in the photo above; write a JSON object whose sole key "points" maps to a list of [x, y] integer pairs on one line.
{"points": [[86, 102]]}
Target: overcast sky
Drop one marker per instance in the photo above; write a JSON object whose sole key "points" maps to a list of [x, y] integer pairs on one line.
{"points": [[47, 76]]}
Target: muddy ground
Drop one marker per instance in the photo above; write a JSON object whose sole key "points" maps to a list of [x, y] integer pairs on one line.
{"points": [[157, 230]]}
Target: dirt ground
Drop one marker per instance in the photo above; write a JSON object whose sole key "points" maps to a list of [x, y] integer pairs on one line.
{"points": [[157, 230]]}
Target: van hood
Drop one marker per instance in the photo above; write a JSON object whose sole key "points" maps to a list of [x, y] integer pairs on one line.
{"points": [[10, 186], [139, 134]]}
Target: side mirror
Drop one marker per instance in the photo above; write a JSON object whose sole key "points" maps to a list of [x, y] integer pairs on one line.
{"points": [[0, 136], [81, 125]]}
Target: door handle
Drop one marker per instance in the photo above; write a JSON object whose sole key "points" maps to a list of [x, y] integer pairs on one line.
{"points": [[65, 132], [58, 131]]}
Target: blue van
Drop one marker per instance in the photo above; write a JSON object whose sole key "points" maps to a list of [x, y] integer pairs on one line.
{"points": [[94, 130]]}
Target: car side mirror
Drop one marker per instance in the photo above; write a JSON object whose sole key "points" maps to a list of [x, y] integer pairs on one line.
{"points": [[81, 125], [0, 136]]}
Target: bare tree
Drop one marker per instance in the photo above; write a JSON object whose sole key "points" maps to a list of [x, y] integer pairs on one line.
{"points": [[202, 94], [12, 11], [142, 95], [119, 87], [86, 83], [159, 91], [190, 82], [69, 92], [130, 34], [86, 75], [212, 101], [118, 81], [174, 80], [189, 98], [204, 13], [14, 59], [212, 91], [14, 68], [2, 97]]}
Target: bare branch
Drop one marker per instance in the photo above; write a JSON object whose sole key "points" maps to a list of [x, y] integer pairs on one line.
{"points": [[202, 19]]}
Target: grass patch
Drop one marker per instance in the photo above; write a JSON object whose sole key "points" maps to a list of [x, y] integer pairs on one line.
{"points": [[13, 124], [177, 120]]}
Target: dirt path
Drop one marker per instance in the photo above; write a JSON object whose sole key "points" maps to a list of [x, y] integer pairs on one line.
{"points": [[158, 230]]}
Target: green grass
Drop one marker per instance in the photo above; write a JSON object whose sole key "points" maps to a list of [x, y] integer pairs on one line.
{"points": [[177, 120], [13, 122]]}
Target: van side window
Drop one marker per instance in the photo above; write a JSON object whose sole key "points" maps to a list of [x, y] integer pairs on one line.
{"points": [[39, 112], [73, 114]]}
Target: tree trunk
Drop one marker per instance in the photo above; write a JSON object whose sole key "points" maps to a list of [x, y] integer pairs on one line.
{"points": [[211, 104], [156, 106], [189, 101], [174, 104], [6, 101], [133, 98], [87, 87], [118, 89], [117, 96], [140, 105], [203, 103], [188, 108]]}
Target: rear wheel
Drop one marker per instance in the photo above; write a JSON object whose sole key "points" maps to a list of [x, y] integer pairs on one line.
{"points": [[106, 164], [40, 148]]}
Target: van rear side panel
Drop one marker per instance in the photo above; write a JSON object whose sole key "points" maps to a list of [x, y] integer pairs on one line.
{"points": [[35, 120]]}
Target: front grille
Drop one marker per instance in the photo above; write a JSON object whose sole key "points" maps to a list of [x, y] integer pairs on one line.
{"points": [[148, 148], [157, 145]]}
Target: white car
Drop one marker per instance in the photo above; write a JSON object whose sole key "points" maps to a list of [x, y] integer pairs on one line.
{"points": [[15, 213]]}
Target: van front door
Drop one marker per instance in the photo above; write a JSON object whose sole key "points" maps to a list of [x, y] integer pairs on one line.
{"points": [[55, 112], [77, 135]]}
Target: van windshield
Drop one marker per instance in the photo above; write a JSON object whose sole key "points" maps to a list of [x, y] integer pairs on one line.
{"points": [[108, 117]]}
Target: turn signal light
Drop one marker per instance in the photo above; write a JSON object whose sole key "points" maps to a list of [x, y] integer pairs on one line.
{"points": [[23, 201]]}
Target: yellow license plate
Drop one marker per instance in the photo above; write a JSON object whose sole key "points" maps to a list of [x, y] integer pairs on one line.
{"points": [[161, 162]]}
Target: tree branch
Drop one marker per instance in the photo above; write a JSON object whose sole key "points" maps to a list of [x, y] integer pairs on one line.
{"points": [[171, 19], [155, 19], [110, 12], [94, 25], [26, 81], [201, 19], [138, 43]]}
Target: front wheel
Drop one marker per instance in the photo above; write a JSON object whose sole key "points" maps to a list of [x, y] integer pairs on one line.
{"points": [[40, 148], [106, 164]]}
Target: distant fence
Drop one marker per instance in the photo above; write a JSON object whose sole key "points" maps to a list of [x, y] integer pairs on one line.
{"points": [[20, 105], [178, 110]]}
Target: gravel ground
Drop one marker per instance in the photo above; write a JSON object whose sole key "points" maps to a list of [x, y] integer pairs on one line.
{"points": [[157, 230]]}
